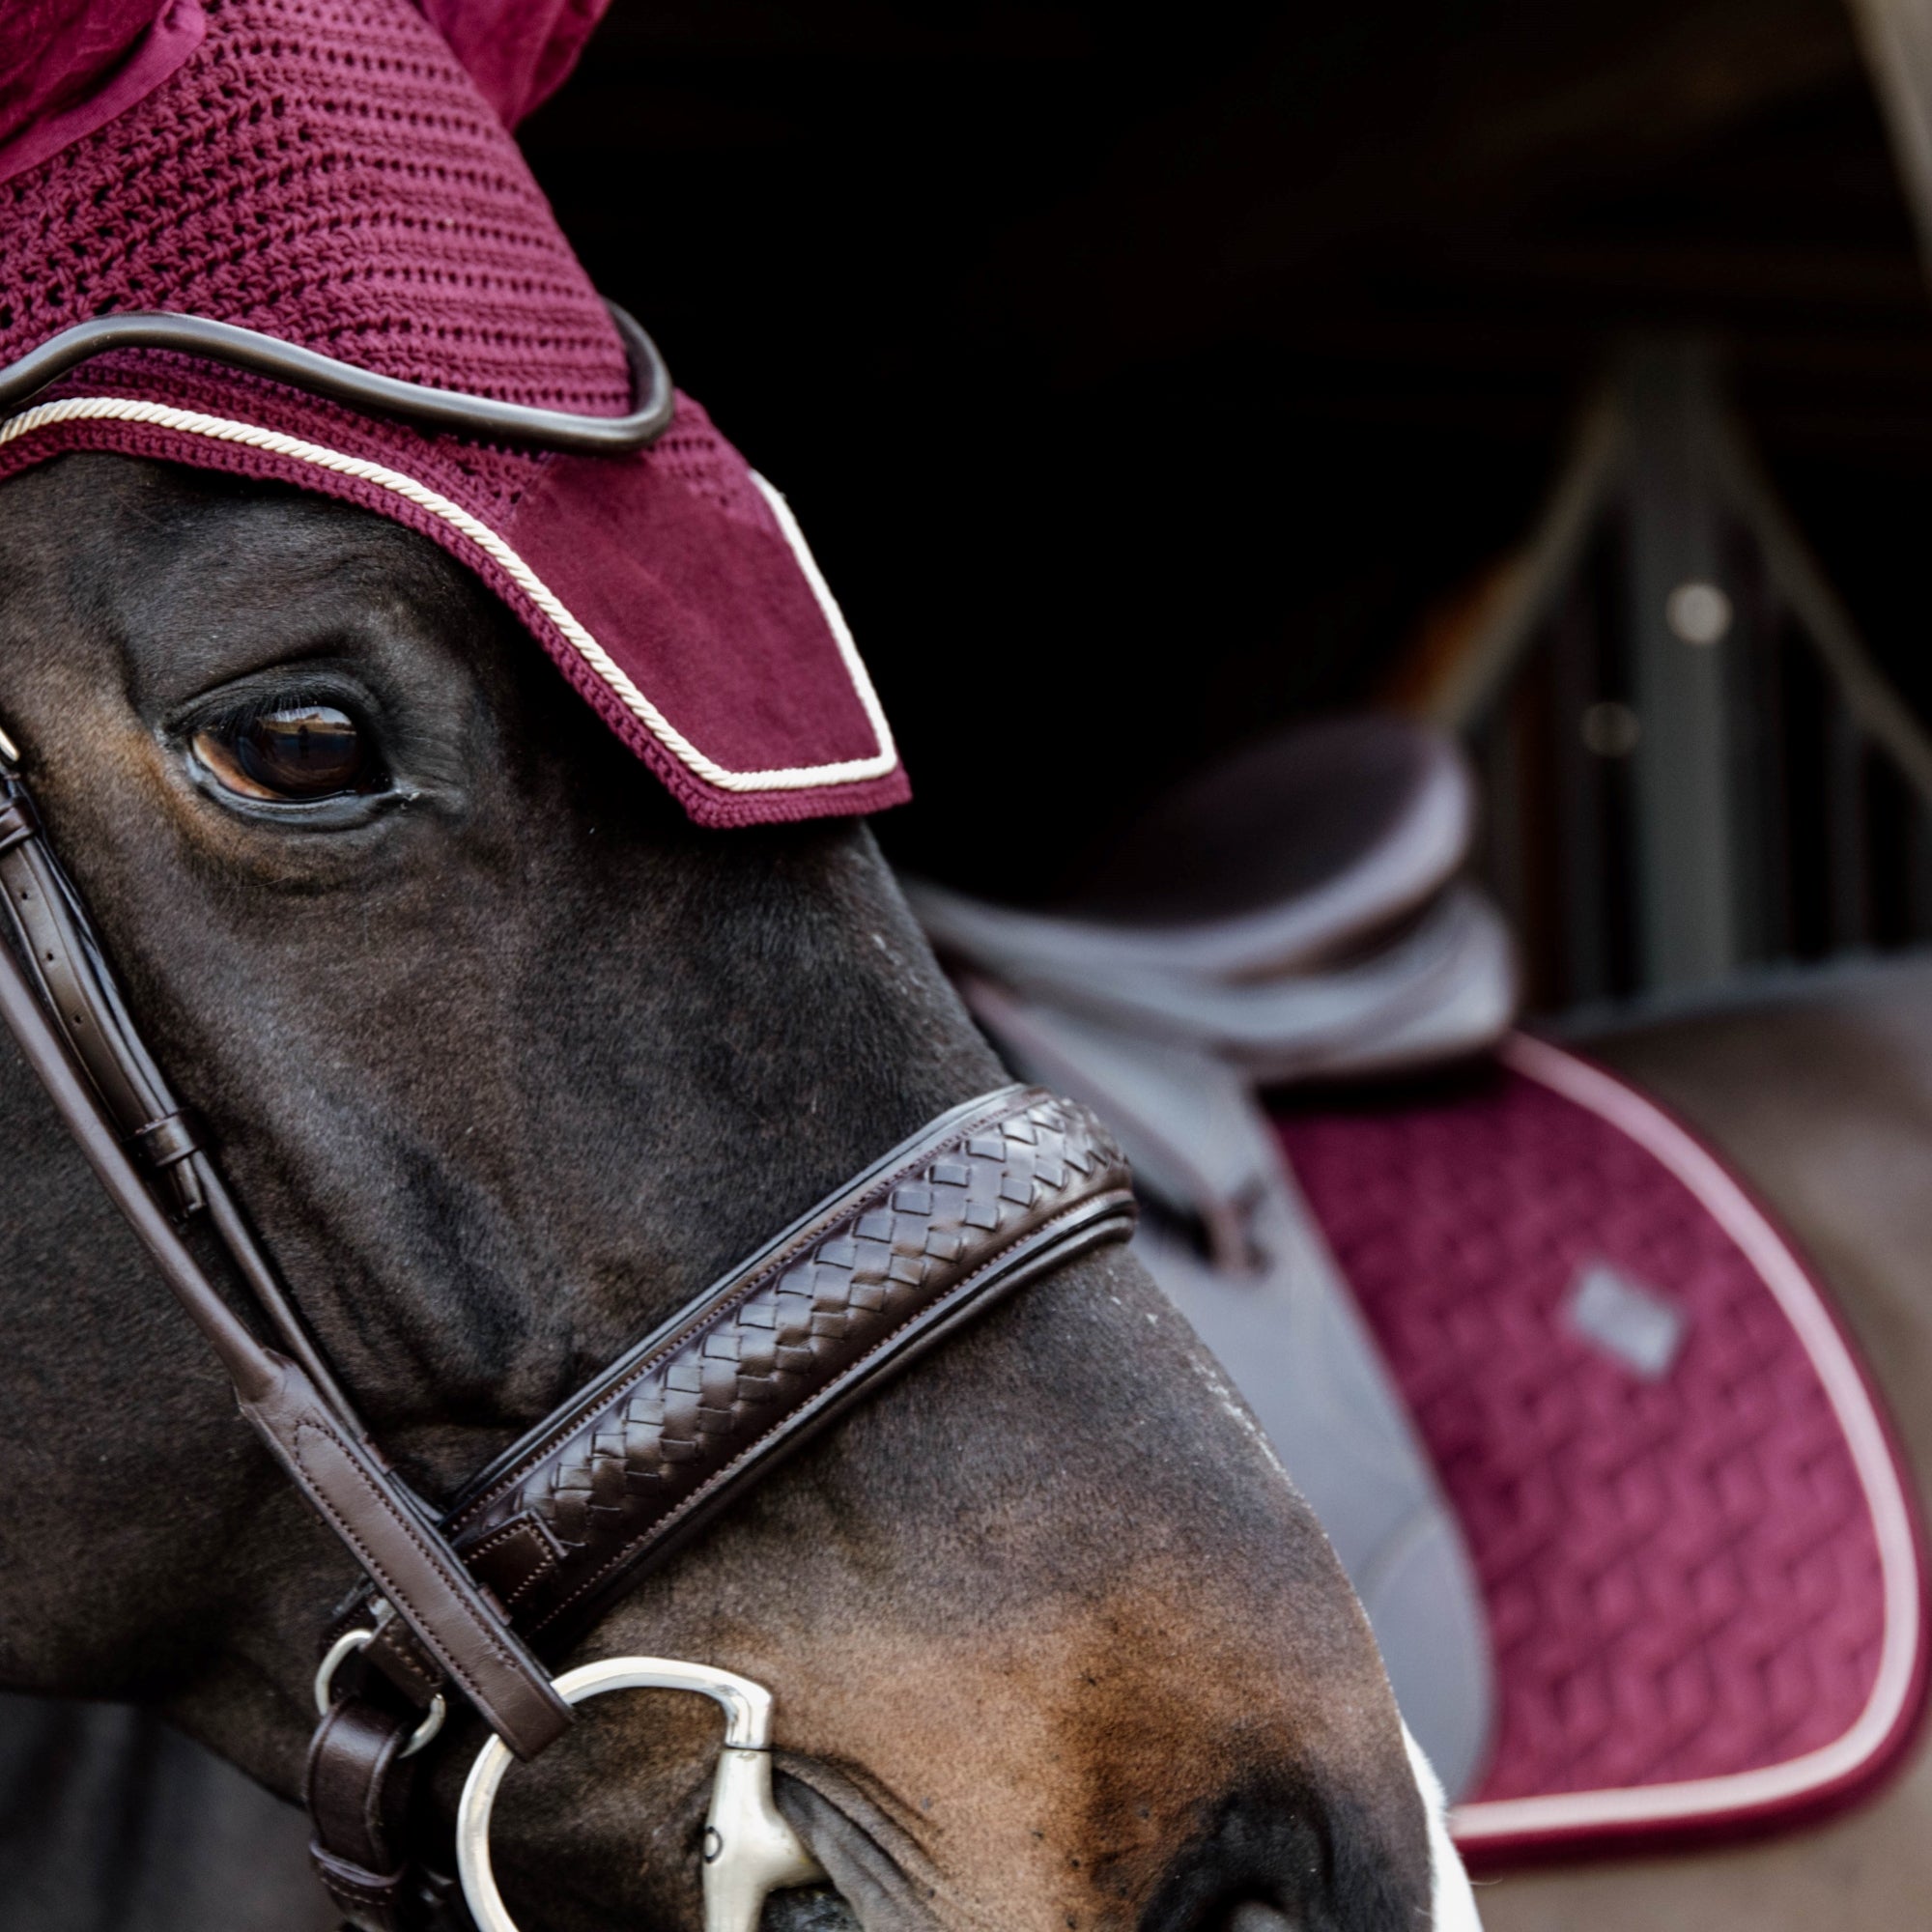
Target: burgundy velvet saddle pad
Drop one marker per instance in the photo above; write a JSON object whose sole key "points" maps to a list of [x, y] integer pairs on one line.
{"points": [[1699, 1552]]}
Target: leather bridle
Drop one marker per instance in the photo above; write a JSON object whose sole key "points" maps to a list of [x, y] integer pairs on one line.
{"points": [[653, 400], [466, 1599]]}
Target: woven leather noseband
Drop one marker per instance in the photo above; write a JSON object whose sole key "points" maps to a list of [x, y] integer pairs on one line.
{"points": [[982, 1200]]}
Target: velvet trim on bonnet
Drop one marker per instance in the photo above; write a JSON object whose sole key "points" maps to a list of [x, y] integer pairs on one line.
{"points": [[339, 174]]}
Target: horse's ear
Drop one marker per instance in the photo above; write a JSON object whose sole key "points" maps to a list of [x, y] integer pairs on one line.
{"points": [[519, 53]]}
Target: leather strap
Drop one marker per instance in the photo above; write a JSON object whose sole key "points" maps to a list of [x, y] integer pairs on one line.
{"points": [[358, 1789], [980, 1201], [986, 1198], [983, 1199], [653, 400], [313, 1434], [83, 1004], [360, 1811], [76, 992], [410, 1563]]}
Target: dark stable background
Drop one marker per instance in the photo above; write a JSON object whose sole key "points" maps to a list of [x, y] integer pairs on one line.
{"points": [[1144, 376]]}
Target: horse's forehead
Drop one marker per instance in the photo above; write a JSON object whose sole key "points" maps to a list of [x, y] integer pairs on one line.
{"points": [[390, 223]]}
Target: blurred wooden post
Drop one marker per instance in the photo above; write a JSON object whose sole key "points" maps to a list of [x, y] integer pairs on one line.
{"points": [[1691, 867], [1895, 37], [1693, 813]]}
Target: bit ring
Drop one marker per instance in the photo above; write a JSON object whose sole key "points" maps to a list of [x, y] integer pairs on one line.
{"points": [[749, 1850]]}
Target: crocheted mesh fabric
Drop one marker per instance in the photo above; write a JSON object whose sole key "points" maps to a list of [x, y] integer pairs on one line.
{"points": [[325, 171]]}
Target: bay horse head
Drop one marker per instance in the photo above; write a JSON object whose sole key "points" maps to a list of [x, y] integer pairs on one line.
{"points": [[508, 1060]]}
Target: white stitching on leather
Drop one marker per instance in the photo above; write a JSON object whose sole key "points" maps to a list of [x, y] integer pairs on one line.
{"points": [[798, 777]]}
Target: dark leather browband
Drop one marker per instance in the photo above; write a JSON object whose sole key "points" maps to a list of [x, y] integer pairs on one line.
{"points": [[653, 400], [980, 1201]]}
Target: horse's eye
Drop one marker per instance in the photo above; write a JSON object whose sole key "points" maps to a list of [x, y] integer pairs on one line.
{"points": [[299, 752]]}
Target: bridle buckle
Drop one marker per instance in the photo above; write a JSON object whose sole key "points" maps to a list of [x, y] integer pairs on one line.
{"points": [[345, 1647]]}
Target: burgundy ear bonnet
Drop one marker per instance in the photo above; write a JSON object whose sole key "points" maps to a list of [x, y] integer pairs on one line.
{"points": [[338, 174]]}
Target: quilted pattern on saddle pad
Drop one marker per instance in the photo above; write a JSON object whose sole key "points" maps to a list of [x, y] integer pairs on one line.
{"points": [[1699, 1558]]}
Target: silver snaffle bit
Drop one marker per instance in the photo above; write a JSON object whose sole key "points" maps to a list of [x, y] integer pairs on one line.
{"points": [[750, 1851]]}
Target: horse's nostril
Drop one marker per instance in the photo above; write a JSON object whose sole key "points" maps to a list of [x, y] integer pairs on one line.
{"points": [[1253, 1915], [815, 1908]]}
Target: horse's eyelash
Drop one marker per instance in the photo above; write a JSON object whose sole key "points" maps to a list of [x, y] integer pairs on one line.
{"points": [[267, 704]]}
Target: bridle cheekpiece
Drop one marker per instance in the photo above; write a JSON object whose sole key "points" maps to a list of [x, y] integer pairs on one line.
{"points": [[464, 1600]]}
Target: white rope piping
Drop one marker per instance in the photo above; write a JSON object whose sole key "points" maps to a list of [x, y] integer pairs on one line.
{"points": [[799, 778], [1741, 1791]]}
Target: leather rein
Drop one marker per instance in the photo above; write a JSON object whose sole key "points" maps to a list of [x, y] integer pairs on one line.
{"points": [[465, 1599]]}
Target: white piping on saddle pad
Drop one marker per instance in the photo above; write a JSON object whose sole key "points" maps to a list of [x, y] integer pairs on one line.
{"points": [[1784, 1274], [1452, 1900], [797, 778]]}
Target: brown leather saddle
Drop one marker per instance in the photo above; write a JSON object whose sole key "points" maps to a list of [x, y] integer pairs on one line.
{"points": [[465, 1596]]}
